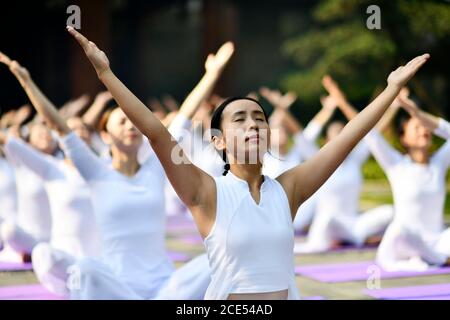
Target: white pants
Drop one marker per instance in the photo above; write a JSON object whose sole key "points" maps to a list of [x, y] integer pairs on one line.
{"points": [[52, 268], [98, 282], [404, 250], [327, 228]]}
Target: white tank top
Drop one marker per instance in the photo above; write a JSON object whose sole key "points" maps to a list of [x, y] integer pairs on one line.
{"points": [[250, 246]]}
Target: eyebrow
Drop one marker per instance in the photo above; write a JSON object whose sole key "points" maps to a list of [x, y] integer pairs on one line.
{"points": [[240, 113]]}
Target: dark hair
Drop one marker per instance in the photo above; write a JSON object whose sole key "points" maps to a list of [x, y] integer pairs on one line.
{"points": [[402, 120], [216, 121], [101, 126]]}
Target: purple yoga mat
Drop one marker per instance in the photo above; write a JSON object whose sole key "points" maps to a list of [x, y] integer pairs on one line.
{"points": [[428, 298], [11, 266], [358, 271], [180, 224], [178, 256], [27, 292], [192, 239], [428, 292]]}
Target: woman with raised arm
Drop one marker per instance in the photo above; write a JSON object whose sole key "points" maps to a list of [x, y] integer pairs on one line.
{"points": [[32, 223], [244, 217], [416, 239], [73, 233], [129, 205], [188, 126], [337, 219], [280, 159]]}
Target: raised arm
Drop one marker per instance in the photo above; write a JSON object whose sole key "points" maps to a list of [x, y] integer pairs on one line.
{"points": [[214, 65], [43, 106], [195, 188], [41, 164], [428, 120], [75, 107], [316, 124], [350, 112], [302, 181], [281, 104], [92, 116]]}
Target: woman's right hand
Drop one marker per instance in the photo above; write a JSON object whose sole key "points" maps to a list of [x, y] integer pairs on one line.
{"points": [[97, 57]]}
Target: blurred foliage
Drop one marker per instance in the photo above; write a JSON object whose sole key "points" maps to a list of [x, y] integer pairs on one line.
{"points": [[360, 59]]}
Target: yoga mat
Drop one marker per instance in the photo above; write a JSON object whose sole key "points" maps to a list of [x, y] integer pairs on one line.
{"points": [[12, 266], [429, 298], [192, 239], [178, 256], [313, 298], [27, 292], [358, 271], [414, 292]]}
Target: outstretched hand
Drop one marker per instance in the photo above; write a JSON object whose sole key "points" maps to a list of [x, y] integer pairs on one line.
{"points": [[22, 114], [328, 102], [216, 62], [5, 59], [97, 57], [333, 89], [19, 72], [277, 99], [409, 105], [400, 76]]}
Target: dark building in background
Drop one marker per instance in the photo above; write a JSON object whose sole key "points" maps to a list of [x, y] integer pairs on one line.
{"points": [[155, 47]]}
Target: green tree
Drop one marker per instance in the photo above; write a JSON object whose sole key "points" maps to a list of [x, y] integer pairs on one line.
{"points": [[339, 43]]}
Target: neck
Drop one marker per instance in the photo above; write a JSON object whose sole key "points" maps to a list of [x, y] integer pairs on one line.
{"points": [[123, 162], [419, 155], [248, 172]]}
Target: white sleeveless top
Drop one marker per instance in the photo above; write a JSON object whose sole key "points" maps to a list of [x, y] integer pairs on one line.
{"points": [[250, 246]]}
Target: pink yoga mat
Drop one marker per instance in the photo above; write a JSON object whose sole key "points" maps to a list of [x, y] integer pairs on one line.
{"points": [[10, 266], [427, 292], [358, 271], [27, 292]]}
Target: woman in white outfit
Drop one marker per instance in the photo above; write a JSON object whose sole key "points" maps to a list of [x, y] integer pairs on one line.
{"points": [[417, 238], [337, 217], [32, 223], [244, 217], [280, 158], [73, 232], [8, 194], [129, 207]]}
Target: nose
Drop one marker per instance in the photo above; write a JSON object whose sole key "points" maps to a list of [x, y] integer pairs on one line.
{"points": [[252, 124]]}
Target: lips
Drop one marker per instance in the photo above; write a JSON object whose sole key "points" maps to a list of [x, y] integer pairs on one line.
{"points": [[254, 137]]}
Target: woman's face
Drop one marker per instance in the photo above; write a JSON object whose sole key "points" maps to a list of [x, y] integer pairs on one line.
{"points": [[79, 127], [41, 138], [121, 133], [415, 135], [245, 132]]}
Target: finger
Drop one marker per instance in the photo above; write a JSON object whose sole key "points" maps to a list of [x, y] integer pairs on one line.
{"points": [[418, 59], [4, 58], [226, 50], [82, 40]]}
